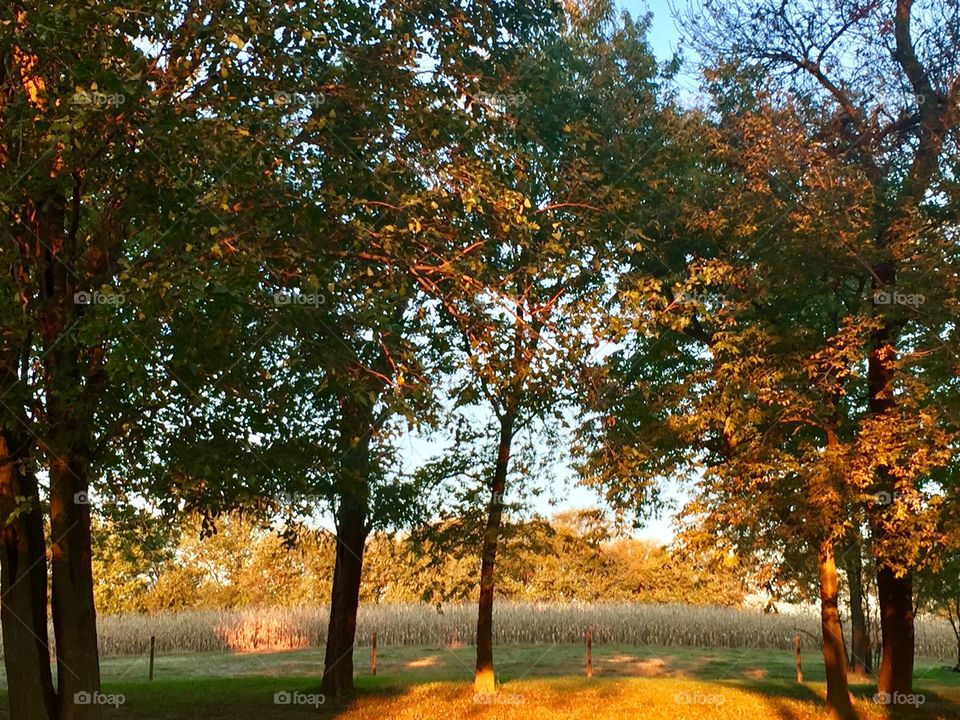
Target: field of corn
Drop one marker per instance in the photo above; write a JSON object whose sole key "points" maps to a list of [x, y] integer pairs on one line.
{"points": [[270, 629]]}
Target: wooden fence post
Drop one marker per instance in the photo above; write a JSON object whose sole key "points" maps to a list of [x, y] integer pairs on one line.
{"points": [[153, 649], [799, 668], [589, 654], [373, 655]]}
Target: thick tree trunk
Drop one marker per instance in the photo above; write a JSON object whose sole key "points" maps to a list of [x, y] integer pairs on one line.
{"points": [[74, 615], [834, 652], [23, 585], [895, 596], [861, 654], [485, 680], [342, 627], [68, 401], [356, 428]]}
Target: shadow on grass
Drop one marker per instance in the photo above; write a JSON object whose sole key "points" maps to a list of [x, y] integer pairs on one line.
{"points": [[427, 683]]}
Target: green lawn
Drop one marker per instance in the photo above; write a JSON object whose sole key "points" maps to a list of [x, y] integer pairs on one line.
{"points": [[538, 681]]}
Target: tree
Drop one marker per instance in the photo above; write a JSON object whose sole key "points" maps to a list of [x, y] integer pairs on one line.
{"points": [[888, 92], [122, 161], [527, 288], [362, 172]]}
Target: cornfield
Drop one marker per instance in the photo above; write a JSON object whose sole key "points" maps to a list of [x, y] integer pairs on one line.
{"points": [[266, 629]]}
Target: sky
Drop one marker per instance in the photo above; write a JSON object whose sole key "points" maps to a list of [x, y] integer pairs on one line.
{"points": [[664, 40]]}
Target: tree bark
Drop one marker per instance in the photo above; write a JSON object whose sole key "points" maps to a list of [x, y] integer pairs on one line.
{"points": [[895, 596], [74, 615], [834, 652], [485, 680], [23, 585], [68, 411], [352, 514], [345, 600], [955, 624], [861, 654]]}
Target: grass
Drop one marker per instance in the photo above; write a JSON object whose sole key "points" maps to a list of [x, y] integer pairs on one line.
{"points": [[536, 682]]}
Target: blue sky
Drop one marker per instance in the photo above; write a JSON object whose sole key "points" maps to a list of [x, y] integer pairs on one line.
{"points": [[664, 37]]}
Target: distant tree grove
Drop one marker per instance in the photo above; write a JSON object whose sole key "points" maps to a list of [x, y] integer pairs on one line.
{"points": [[573, 557]]}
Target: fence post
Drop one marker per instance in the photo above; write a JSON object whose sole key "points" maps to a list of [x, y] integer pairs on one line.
{"points": [[373, 655], [153, 648], [799, 668], [589, 654]]}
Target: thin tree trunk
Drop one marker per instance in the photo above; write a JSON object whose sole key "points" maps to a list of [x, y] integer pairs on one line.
{"points": [[485, 680], [352, 513], [955, 624], [861, 654], [834, 652], [23, 585]]}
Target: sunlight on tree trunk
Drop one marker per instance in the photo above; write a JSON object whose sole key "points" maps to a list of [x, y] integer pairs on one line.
{"points": [[485, 679], [834, 652]]}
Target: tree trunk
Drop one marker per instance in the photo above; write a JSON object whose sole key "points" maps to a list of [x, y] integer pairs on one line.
{"points": [[895, 596], [354, 493], [834, 652], [74, 615], [345, 599], [955, 624], [484, 680], [861, 654], [68, 411], [23, 585]]}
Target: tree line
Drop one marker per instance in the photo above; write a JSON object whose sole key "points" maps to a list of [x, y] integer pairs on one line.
{"points": [[574, 556]]}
